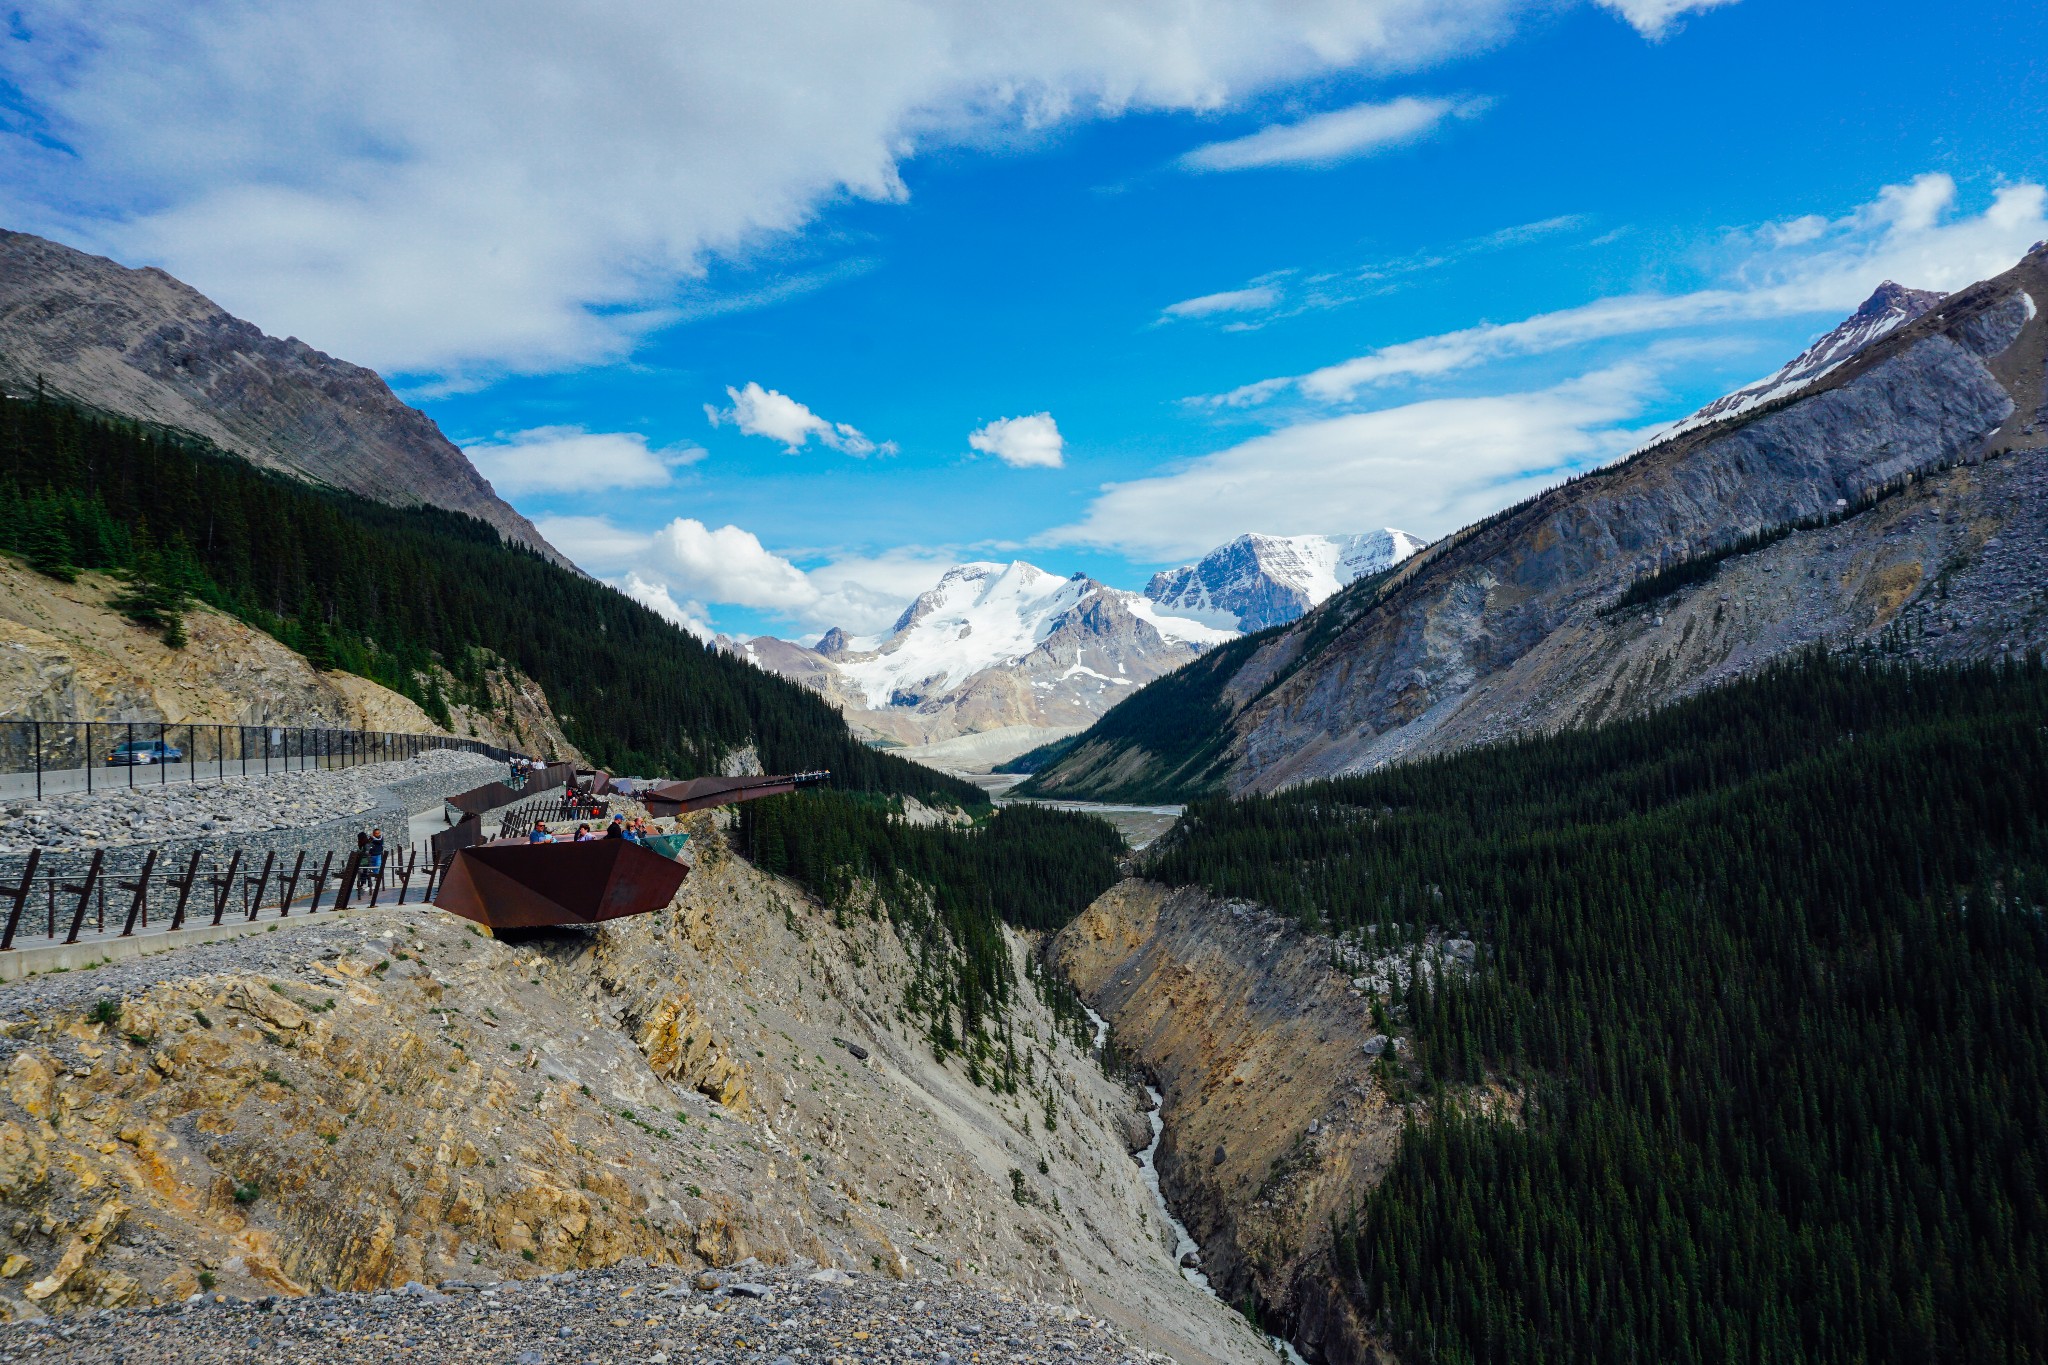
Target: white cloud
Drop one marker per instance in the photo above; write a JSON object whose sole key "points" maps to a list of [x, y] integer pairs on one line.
{"points": [[725, 565], [1806, 265], [1256, 300], [564, 459], [1654, 18], [474, 187], [866, 593], [657, 599], [594, 544], [1429, 467], [1326, 139], [1032, 442], [764, 412], [679, 569]]}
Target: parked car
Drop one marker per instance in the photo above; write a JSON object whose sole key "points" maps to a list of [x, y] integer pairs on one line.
{"points": [[138, 751]]}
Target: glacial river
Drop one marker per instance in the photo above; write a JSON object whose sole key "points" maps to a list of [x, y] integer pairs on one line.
{"points": [[1183, 1241]]}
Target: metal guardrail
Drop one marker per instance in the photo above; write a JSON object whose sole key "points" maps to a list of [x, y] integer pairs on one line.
{"points": [[51, 757], [49, 902], [530, 799]]}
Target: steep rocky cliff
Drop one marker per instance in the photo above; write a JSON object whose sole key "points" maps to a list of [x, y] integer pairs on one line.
{"points": [[1929, 444], [385, 1095], [1276, 1115], [140, 344]]}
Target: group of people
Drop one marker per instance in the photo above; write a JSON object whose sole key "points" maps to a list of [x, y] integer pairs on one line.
{"points": [[521, 769], [636, 830]]}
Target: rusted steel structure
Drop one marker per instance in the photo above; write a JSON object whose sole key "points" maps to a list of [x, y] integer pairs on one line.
{"points": [[513, 884], [492, 795], [702, 793], [505, 885]]}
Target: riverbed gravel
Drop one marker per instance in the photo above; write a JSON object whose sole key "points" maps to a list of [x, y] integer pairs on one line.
{"points": [[747, 1314]]}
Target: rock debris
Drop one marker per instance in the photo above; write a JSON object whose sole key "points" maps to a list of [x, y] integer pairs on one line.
{"points": [[792, 1315]]}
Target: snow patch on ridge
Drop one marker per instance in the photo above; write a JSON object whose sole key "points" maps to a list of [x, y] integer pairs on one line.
{"points": [[1259, 580], [1891, 307], [984, 615]]}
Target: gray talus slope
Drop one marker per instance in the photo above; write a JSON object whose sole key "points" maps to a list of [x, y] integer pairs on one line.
{"points": [[140, 344], [1501, 627]]}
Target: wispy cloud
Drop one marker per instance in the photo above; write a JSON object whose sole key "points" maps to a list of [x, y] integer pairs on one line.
{"points": [[1430, 466], [1259, 299], [570, 459], [1339, 135], [1287, 293], [765, 412], [1803, 265]]}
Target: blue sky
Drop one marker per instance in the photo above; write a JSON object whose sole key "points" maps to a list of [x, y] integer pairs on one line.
{"points": [[771, 311]]}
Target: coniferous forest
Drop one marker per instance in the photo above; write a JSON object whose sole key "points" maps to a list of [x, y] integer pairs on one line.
{"points": [[1769, 971], [388, 592]]}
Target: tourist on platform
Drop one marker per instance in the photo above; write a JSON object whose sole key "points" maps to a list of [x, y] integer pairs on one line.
{"points": [[617, 829], [583, 834], [540, 834]]}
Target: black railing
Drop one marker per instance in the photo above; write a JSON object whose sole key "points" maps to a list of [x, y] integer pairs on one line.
{"points": [[53, 757], [60, 898]]}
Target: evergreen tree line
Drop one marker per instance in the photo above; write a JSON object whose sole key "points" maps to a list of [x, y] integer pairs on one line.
{"points": [[391, 592], [1770, 971], [947, 891]]}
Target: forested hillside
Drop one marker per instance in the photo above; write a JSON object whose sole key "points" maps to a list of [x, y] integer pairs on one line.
{"points": [[947, 891], [1770, 969], [385, 592]]}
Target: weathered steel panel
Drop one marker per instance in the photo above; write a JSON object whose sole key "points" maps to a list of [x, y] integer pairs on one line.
{"points": [[530, 886]]}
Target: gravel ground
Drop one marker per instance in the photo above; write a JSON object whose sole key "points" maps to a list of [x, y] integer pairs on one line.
{"points": [[241, 805], [748, 1313]]}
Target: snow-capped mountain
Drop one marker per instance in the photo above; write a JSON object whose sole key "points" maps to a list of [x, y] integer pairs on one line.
{"points": [[1891, 307], [1257, 581], [994, 647]]}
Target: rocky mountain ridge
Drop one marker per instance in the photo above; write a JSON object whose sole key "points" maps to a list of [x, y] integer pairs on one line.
{"points": [[1890, 307], [142, 345], [1258, 581], [1927, 445], [993, 648]]}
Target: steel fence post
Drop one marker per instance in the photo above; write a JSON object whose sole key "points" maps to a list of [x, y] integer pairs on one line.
{"points": [[19, 894], [85, 890]]}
